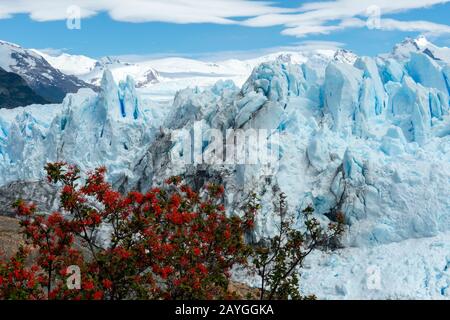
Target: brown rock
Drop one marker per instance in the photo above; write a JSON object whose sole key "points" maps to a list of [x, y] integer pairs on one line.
{"points": [[10, 239], [243, 291]]}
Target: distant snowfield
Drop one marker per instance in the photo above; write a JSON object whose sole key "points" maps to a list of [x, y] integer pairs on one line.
{"points": [[160, 79]]}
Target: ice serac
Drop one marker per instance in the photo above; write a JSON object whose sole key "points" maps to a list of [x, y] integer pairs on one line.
{"points": [[119, 102], [393, 142], [427, 72], [372, 83], [129, 99], [266, 94], [341, 91], [390, 70]]}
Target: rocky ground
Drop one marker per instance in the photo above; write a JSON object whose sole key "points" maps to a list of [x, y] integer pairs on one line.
{"points": [[10, 239]]}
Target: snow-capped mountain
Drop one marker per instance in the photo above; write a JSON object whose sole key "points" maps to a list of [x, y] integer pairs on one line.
{"points": [[45, 80], [366, 136], [69, 64], [144, 76], [345, 56], [421, 44]]}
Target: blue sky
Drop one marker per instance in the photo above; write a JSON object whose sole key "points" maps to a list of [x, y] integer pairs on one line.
{"points": [[213, 29]]}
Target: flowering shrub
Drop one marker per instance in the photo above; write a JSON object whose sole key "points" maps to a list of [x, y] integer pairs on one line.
{"points": [[168, 243]]}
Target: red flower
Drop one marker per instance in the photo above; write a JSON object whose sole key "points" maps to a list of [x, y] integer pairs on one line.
{"points": [[197, 251], [30, 284], [184, 261], [158, 210], [98, 295], [107, 283], [110, 197], [138, 197], [52, 294], [176, 200], [196, 285], [227, 234], [175, 217], [123, 253], [67, 189], [96, 218], [88, 285], [201, 267], [55, 218], [168, 247], [17, 274], [166, 271]]}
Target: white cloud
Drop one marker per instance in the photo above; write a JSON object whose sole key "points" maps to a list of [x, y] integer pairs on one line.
{"points": [[320, 17], [304, 30], [420, 26], [424, 27], [176, 11], [329, 16]]}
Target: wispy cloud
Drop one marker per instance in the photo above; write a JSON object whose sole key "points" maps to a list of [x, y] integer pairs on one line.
{"points": [[420, 26], [330, 16], [320, 17], [175, 11]]}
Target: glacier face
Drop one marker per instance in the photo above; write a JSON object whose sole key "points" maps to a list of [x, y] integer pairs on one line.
{"points": [[366, 136], [87, 128], [376, 150]]}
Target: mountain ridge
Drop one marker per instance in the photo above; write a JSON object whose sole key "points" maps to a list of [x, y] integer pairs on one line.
{"points": [[46, 81]]}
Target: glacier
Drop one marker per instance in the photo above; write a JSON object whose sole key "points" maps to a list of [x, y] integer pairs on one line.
{"points": [[366, 136]]}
